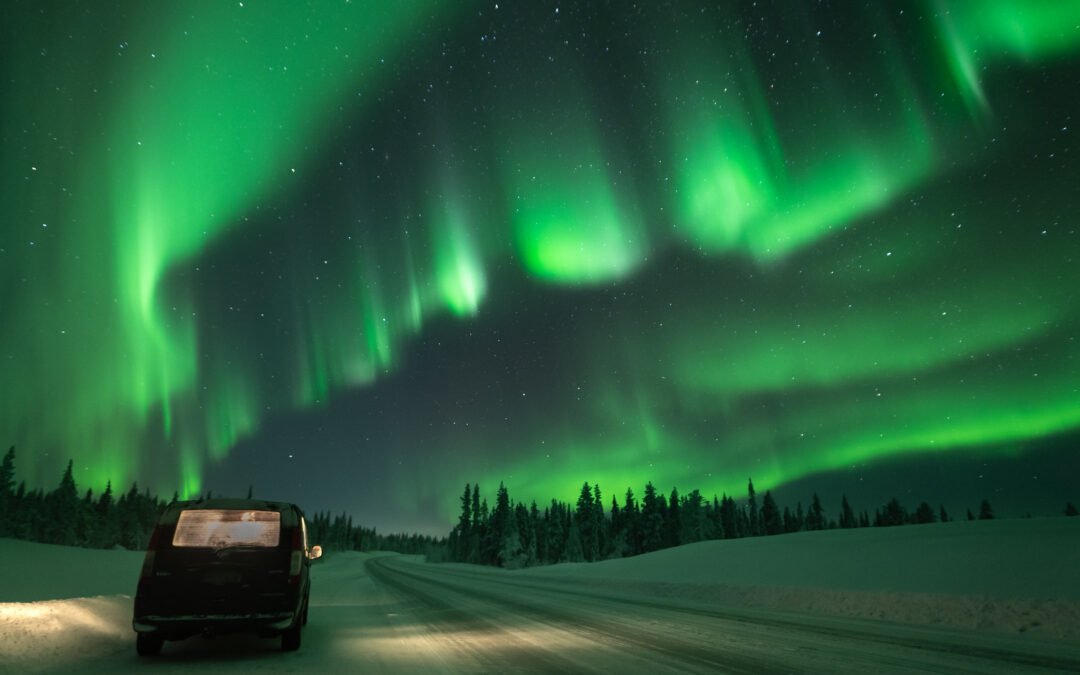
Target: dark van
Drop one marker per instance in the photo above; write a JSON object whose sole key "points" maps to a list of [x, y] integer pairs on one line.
{"points": [[225, 565]]}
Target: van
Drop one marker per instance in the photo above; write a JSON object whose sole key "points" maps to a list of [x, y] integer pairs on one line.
{"points": [[219, 566]]}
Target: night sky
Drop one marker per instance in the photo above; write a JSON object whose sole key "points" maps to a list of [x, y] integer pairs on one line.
{"points": [[358, 254]]}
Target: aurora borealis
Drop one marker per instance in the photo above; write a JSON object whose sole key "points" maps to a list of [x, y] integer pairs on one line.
{"points": [[360, 253]]}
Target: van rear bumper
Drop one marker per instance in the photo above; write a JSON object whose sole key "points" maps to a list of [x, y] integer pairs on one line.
{"points": [[183, 626]]}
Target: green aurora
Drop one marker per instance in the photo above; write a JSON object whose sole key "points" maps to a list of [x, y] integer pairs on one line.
{"points": [[838, 237]]}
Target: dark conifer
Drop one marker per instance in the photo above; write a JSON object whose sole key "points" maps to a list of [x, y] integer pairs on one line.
{"points": [[652, 524], [771, 522], [847, 516], [924, 514], [942, 514], [1070, 509], [789, 521], [985, 512], [585, 517], [673, 521], [893, 514], [727, 517], [692, 519], [815, 519], [751, 510]]}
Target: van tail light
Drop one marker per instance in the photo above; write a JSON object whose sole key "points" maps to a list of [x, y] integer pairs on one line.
{"points": [[296, 556], [148, 561]]}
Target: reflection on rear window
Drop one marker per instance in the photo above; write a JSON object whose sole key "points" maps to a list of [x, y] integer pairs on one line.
{"points": [[220, 527]]}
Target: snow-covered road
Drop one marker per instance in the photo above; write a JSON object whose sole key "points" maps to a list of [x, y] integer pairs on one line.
{"points": [[396, 614]]}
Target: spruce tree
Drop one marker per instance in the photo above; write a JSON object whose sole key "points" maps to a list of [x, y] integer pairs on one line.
{"points": [[751, 510], [985, 512], [464, 526], [7, 493], [815, 519], [942, 514], [673, 522], [727, 517], [847, 516], [63, 511], [924, 514], [692, 519], [771, 522], [631, 524], [652, 524], [1070, 509], [585, 517], [573, 544], [603, 535]]}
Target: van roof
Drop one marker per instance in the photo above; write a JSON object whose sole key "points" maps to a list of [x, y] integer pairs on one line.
{"points": [[230, 503]]}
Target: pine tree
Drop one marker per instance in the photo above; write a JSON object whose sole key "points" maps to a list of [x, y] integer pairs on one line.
{"points": [[556, 543], [727, 517], [585, 517], [652, 524], [771, 522], [500, 526], [985, 512], [970, 515], [751, 510], [463, 532], [603, 534], [847, 516], [673, 522], [893, 514], [631, 524], [573, 544], [7, 493], [692, 519], [789, 521], [63, 511], [924, 514], [716, 517], [1070, 509], [942, 514], [815, 519]]}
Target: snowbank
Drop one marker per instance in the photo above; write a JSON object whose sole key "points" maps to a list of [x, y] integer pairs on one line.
{"points": [[1012, 575], [32, 571]]}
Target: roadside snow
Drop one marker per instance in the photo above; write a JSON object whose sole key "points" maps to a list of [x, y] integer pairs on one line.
{"points": [[32, 571], [1010, 575]]}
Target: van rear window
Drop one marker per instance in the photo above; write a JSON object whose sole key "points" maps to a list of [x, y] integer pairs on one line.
{"points": [[217, 528]]}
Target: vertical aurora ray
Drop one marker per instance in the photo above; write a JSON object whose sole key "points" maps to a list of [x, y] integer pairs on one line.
{"points": [[194, 115], [459, 270], [574, 221], [976, 36]]}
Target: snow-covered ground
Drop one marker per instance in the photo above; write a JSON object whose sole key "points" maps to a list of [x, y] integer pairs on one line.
{"points": [[1005, 594], [1008, 575]]}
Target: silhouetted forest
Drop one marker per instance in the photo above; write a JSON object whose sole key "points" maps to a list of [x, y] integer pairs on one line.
{"points": [[509, 534], [109, 521], [513, 535]]}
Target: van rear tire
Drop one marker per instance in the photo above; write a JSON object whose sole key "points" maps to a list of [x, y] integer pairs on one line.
{"points": [[290, 638], [148, 644]]}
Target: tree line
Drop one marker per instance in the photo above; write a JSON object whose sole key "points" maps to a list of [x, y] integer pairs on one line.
{"points": [[513, 535], [109, 521]]}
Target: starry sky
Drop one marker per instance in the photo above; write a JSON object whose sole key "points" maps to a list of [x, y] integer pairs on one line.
{"points": [[359, 253]]}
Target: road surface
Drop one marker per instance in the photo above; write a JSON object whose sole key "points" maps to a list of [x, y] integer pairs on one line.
{"points": [[396, 614]]}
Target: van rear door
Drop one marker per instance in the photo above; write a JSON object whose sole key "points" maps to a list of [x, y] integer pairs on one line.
{"points": [[225, 562]]}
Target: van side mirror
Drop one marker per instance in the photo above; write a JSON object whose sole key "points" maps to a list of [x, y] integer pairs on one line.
{"points": [[315, 552]]}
